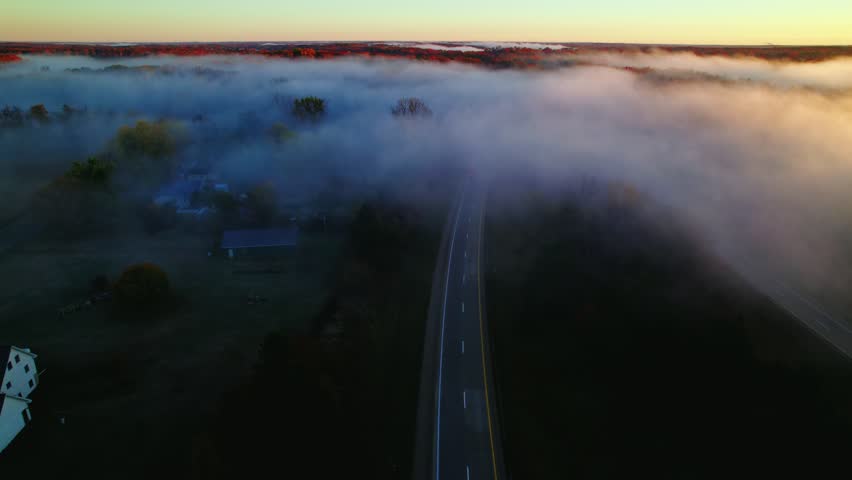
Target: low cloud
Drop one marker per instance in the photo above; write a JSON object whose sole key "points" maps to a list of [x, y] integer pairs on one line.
{"points": [[534, 46], [435, 46], [760, 168], [832, 74]]}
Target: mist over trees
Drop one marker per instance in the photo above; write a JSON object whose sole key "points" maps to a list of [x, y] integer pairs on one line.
{"points": [[704, 145], [356, 396], [411, 107], [11, 116], [309, 108], [95, 170], [146, 138], [757, 165]]}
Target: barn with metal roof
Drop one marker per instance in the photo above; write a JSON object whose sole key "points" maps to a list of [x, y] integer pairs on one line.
{"points": [[256, 238]]}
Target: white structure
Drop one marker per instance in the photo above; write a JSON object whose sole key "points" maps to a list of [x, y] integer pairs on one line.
{"points": [[20, 376], [14, 416]]}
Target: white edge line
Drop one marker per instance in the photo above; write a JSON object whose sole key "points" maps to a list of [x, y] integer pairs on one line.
{"points": [[815, 307]]}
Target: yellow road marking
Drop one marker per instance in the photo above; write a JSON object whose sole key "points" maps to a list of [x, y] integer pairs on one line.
{"points": [[482, 344]]}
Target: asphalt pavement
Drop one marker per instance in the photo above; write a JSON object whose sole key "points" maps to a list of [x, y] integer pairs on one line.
{"points": [[464, 437]]}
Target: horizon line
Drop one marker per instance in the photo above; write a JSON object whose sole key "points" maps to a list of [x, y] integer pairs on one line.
{"points": [[116, 43]]}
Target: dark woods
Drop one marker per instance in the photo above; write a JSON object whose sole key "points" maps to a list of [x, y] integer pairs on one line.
{"points": [[340, 398]]}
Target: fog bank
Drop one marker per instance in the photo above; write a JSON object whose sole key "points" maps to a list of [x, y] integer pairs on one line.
{"points": [[760, 167], [831, 74]]}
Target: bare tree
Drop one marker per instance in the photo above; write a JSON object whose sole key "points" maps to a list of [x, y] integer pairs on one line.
{"points": [[411, 107]]}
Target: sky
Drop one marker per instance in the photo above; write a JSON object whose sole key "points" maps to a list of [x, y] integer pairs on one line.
{"points": [[752, 22]]}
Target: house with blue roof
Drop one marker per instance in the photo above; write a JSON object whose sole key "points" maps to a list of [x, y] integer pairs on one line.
{"points": [[235, 242]]}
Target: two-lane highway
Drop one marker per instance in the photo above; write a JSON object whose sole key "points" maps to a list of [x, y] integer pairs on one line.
{"points": [[824, 322], [465, 442]]}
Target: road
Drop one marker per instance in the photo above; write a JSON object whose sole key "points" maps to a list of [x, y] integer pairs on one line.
{"points": [[830, 327], [457, 426], [462, 415]]}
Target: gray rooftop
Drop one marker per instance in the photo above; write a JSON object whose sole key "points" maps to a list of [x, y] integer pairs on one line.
{"points": [[260, 237]]}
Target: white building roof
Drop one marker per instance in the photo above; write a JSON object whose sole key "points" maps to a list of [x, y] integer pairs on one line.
{"points": [[14, 416]]}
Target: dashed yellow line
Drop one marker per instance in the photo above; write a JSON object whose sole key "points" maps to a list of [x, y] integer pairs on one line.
{"points": [[482, 345]]}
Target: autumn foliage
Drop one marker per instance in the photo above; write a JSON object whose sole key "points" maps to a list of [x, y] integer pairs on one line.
{"points": [[9, 58], [516, 58]]}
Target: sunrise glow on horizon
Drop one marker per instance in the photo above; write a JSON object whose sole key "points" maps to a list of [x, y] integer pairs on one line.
{"points": [[729, 22]]}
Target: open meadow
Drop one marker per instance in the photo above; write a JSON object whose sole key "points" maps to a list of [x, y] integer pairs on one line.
{"points": [[145, 385]]}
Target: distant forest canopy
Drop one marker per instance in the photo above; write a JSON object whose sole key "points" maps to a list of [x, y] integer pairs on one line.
{"points": [[9, 58], [518, 57]]}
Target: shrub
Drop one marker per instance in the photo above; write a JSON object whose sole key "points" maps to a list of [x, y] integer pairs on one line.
{"points": [[280, 133], [142, 287]]}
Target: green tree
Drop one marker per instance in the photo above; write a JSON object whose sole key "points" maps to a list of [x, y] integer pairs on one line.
{"points": [[263, 201], [152, 139], [142, 287], [94, 170], [145, 151], [78, 202], [309, 108], [378, 236]]}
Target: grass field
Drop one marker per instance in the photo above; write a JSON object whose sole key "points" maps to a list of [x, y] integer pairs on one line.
{"points": [[622, 351], [134, 390]]}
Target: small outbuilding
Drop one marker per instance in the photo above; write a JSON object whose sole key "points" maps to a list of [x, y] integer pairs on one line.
{"points": [[259, 239]]}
